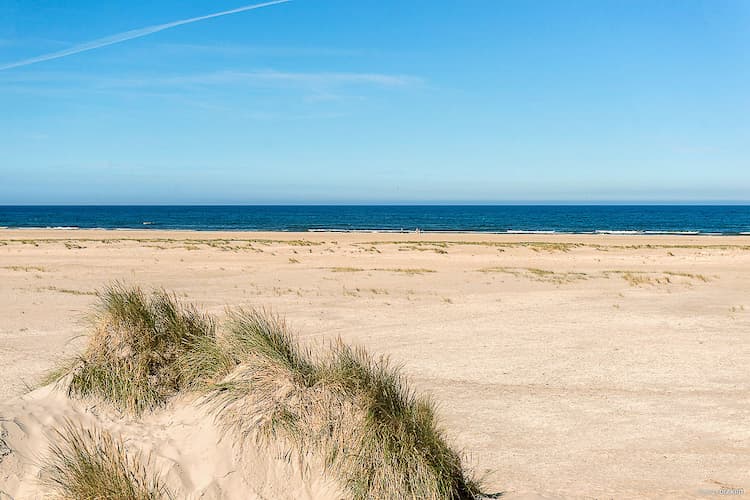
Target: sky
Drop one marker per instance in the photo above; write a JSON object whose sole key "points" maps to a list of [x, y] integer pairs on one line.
{"points": [[375, 101]]}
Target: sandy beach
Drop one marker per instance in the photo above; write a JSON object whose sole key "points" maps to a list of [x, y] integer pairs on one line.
{"points": [[568, 366]]}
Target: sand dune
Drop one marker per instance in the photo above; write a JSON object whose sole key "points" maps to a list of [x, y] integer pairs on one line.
{"points": [[570, 366], [183, 442]]}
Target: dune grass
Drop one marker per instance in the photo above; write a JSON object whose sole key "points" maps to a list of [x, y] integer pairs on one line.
{"points": [[88, 464], [144, 348], [395, 441], [353, 413], [356, 413]]}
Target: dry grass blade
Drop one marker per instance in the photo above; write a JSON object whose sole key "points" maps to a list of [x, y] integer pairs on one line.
{"points": [[87, 464]]}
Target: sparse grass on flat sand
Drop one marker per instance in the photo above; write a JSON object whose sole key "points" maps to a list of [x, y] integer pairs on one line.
{"points": [[640, 278], [634, 278], [538, 274], [27, 269], [356, 414], [86, 464], [403, 270]]}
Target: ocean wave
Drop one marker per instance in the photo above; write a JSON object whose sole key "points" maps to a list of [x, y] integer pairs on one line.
{"points": [[527, 231], [611, 231], [333, 230], [44, 227], [673, 232]]}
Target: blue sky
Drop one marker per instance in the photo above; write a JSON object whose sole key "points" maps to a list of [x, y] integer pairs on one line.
{"points": [[333, 101]]}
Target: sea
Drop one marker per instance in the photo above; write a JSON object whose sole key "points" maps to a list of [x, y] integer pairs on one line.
{"points": [[513, 219]]}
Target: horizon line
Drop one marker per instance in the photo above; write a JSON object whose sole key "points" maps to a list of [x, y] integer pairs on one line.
{"points": [[402, 204]]}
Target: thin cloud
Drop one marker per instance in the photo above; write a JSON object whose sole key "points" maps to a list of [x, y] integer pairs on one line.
{"points": [[130, 35], [304, 79], [316, 87], [258, 50]]}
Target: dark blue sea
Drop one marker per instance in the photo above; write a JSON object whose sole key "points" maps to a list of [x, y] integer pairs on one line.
{"points": [[655, 219]]}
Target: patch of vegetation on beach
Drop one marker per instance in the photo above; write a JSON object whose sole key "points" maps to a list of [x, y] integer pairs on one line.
{"points": [[406, 270], [439, 248], [69, 291], [63, 368], [412, 271], [537, 274], [641, 278], [88, 463], [27, 269], [673, 246], [137, 352], [699, 277], [431, 245], [346, 269], [356, 413]]}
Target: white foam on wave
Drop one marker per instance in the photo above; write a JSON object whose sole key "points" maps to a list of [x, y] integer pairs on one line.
{"points": [[524, 231], [673, 232], [318, 230], [608, 231]]}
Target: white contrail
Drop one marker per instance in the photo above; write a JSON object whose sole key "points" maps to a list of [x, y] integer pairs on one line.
{"points": [[129, 35]]}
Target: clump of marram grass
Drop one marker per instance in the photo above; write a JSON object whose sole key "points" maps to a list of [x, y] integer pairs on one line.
{"points": [[275, 378], [90, 464], [397, 446], [353, 412], [144, 348]]}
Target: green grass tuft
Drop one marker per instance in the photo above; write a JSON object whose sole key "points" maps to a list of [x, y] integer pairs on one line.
{"points": [[357, 414], [90, 464], [144, 348], [397, 444]]}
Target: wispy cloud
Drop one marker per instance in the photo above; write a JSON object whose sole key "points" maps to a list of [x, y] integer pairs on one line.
{"points": [[130, 35], [312, 87], [335, 78], [225, 49], [275, 78], [257, 78]]}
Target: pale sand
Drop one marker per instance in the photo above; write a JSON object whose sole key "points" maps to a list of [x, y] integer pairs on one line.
{"points": [[617, 368]]}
